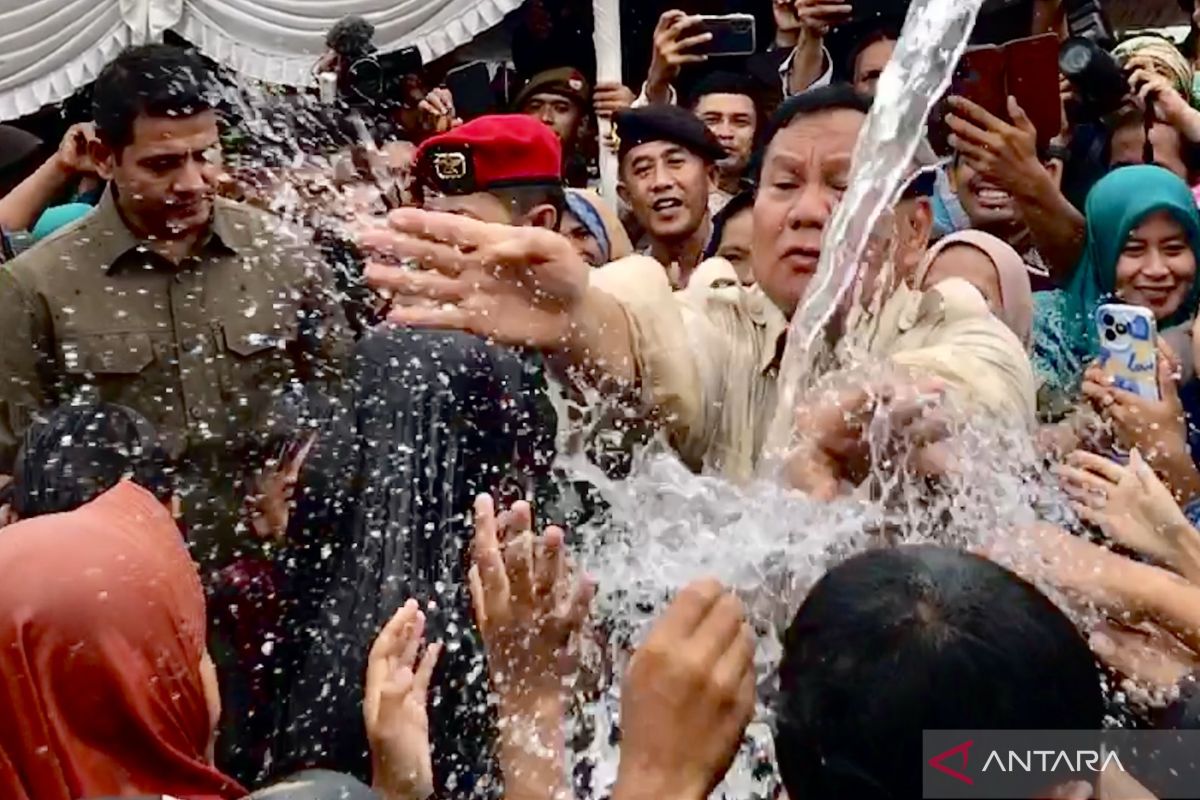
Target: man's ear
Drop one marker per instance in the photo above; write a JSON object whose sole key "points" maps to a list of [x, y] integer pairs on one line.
{"points": [[543, 216], [623, 193], [103, 156], [921, 222]]}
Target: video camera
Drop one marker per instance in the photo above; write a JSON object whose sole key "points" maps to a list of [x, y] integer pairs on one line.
{"points": [[365, 76], [1086, 60]]}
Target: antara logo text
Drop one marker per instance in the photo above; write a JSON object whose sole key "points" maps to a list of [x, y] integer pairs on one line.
{"points": [[1047, 761]]}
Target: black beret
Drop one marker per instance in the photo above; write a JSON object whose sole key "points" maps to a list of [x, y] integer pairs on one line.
{"points": [[660, 123]]}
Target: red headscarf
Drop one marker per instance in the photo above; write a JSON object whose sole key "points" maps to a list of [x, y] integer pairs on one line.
{"points": [[101, 633]]}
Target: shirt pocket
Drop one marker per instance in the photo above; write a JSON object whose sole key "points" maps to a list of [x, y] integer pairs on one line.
{"points": [[114, 354], [257, 358]]}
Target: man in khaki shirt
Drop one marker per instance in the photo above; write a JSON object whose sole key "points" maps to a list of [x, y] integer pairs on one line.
{"points": [[187, 308], [706, 359]]}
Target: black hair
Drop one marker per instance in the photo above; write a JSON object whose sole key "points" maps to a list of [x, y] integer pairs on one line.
{"points": [[80, 452], [827, 98], [725, 83], [350, 37], [742, 201], [884, 31], [158, 80], [897, 641], [524, 198]]}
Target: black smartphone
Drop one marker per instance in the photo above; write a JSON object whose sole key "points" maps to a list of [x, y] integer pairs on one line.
{"points": [[471, 87], [732, 35]]}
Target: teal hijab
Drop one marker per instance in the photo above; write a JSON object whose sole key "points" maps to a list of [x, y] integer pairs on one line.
{"points": [[1065, 338]]}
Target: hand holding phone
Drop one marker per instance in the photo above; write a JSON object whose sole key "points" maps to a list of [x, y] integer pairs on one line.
{"points": [[1129, 348], [731, 35], [678, 39]]}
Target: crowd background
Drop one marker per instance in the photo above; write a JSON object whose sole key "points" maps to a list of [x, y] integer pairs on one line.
{"points": [[285, 373]]}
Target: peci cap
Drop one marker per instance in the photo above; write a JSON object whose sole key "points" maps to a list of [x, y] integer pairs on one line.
{"points": [[566, 81], [491, 152], [660, 123]]}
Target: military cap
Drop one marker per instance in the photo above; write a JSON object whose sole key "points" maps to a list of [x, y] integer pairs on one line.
{"points": [[662, 123], [491, 152], [565, 81]]}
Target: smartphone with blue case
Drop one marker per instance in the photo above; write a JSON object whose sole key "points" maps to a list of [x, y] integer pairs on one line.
{"points": [[1129, 348]]}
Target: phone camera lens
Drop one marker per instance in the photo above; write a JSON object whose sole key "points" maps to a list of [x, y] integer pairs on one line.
{"points": [[1122, 329], [1108, 320], [1110, 335]]}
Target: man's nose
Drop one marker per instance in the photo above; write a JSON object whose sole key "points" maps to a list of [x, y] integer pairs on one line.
{"points": [[812, 207], [191, 177]]}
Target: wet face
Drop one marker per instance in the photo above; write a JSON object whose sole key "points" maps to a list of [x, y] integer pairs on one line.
{"points": [[1157, 266], [737, 238], [805, 172], [166, 178], [988, 206], [733, 120], [481, 206], [667, 188], [559, 113], [972, 265], [582, 240], [1129, 144], [870, 63]]}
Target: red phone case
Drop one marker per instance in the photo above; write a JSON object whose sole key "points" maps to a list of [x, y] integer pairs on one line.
{"points": [[1032, 77]]}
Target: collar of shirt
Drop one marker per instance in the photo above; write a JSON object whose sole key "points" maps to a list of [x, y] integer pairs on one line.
{"points": [[116, 240]]}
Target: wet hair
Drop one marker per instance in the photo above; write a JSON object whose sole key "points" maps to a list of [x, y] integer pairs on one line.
{"points": [[80, 452], [158, 80], [897, 641], [525, 198], [742, 201]]}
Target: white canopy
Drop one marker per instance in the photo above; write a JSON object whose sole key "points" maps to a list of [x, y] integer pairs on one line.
{"points": [[50, 48]]}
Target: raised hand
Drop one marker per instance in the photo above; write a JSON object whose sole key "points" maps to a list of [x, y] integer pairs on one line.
{"points": [[1003, 151], [394, 707], [517, 285], [687, 697], [529, 601], [818, 17], [611, 97], [832, 433], [675, 43]]}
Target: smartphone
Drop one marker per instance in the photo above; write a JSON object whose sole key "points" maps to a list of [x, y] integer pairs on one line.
{"points": [[471, 87], [1129, 348], [979, 77], [732, 35], [1031, 68]]}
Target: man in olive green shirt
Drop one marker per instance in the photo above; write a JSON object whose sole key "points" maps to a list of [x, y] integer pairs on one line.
{"points": [[187, 308]]}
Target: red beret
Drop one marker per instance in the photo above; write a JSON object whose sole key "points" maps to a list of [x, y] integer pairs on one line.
{"points": [[490, 153]]}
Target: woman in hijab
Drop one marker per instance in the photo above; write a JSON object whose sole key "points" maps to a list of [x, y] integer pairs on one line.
{"points": [[594, 228], [990, 265], [1142, 237], [105, 685]]}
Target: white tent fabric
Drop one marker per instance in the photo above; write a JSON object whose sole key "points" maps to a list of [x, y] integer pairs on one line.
{"points": [[50, 48]]}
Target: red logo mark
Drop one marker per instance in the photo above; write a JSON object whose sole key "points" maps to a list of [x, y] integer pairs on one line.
{"points": [[963, 749]]}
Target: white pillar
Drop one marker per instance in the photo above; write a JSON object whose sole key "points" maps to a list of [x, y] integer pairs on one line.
{"points": [[607, 38]]}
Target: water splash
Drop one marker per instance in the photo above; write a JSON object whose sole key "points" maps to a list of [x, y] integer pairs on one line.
{"points": [[934, 36]]}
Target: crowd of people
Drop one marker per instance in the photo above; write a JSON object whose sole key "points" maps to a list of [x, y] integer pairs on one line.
{"points": [[275, 422]]}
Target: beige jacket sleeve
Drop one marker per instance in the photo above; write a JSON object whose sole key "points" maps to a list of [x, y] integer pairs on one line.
{"points": [[956, 338], [680, 353]]}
